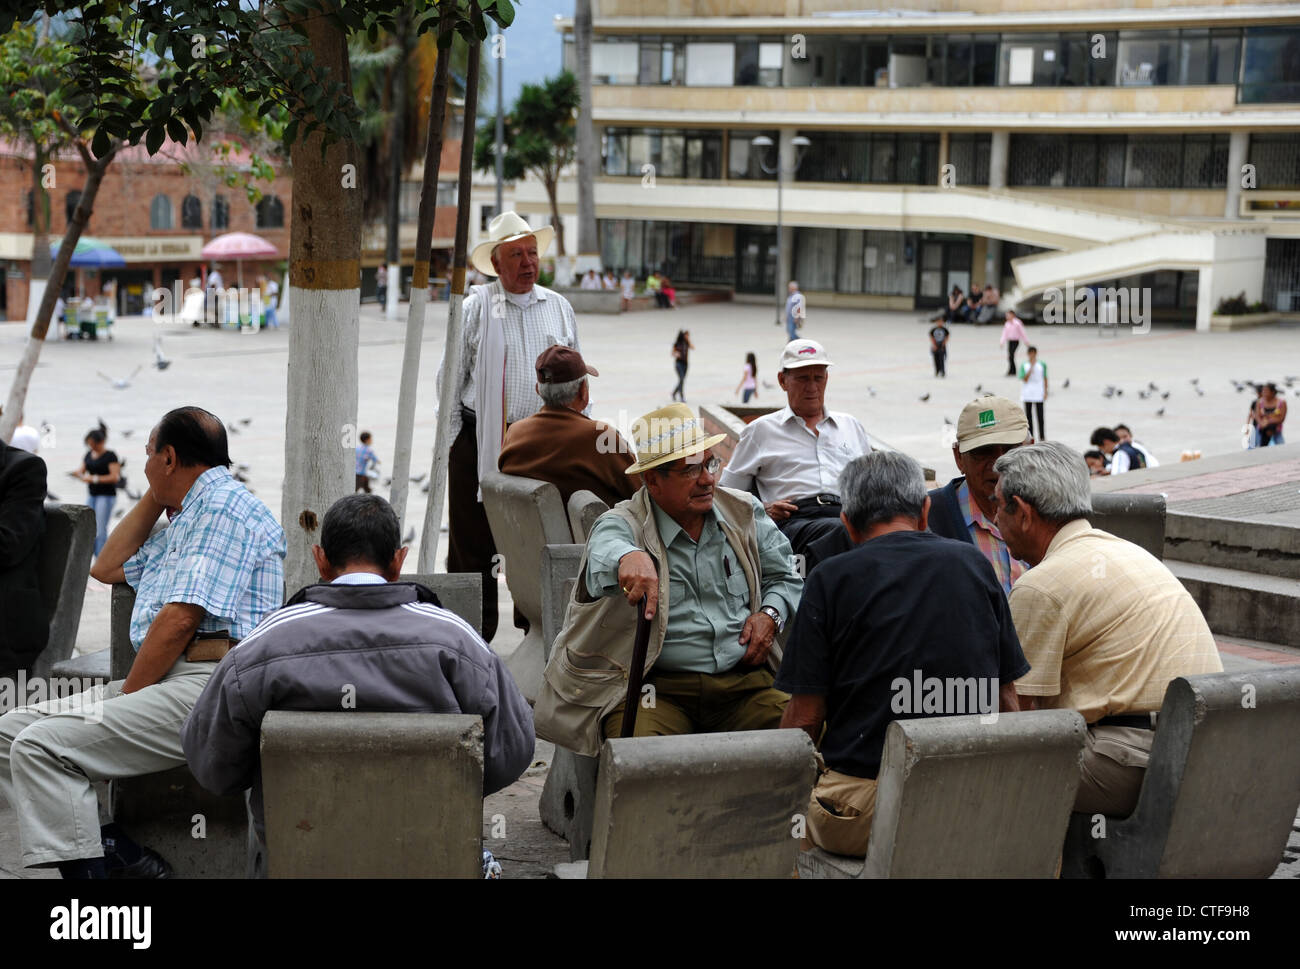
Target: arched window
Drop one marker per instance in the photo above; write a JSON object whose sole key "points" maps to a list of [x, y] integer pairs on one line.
{"points": [[191, 212], [31, 209], [160, 212], [270, 213], [220, 212], [71, 203]]}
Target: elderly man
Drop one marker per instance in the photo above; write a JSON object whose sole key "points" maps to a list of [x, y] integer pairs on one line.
{"points": [[364, 626], [719, 585], [24, 625], [560, 445], [794, 456], [796, 310], [507, 324], [1103, 623], [964, 508], [869, 644], [201, 585]]}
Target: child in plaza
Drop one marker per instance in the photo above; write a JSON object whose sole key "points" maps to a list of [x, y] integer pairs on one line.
{"points": [[366, 459]]}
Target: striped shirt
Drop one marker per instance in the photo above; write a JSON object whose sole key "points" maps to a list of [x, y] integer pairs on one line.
{"points": [[533, 321], [223, 551], [989, 541]]}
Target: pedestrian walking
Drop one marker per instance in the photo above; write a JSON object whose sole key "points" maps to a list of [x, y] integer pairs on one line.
{"points": [[795, 311], [1268, 413], [939, 346], [749, 379], [381, 283], [1033, 391], [628, 284], [1013, 332], [272, 301], [100, 469], [366, 460], [682, 347]]}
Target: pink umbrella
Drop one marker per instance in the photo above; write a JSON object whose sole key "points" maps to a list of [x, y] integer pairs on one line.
{"points": [[238, 246]]}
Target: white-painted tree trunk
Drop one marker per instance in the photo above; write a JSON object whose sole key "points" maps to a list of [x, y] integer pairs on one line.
{"points": [[35, 290], [394, 294], [442, 439], [321, 423], [407, 390], [282, 311]]}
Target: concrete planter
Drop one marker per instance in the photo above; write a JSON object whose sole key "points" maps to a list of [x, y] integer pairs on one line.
{"points": [[593, 300], [1225, 324]]}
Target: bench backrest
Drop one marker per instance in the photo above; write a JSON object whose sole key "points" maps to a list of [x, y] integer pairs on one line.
{"points": [[1225, 760], [717, 805], [583, 510], [524, 514], [559, 572], [414, 804], [959, 798], [63, 568], [1139, 519]]}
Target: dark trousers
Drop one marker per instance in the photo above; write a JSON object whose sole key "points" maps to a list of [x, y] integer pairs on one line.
{"points": [[940, 359], [1029, 416], [810, 524], [470, 547], [679, 392], [1011, 357]]}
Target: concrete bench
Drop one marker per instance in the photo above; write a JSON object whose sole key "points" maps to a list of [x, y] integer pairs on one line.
{"points": [[583, 509], [1139, 519], [525, 514], [63, 568], [1221, 789], [717, 805], [957, 798], [414, 807]]}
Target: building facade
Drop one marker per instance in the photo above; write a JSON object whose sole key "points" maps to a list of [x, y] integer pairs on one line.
{"points": [[1029, 145]]}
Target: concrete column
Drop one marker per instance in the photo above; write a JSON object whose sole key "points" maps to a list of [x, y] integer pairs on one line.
{"points": [[784, 270], [943, 152], [1236, 159], [999, 153], [993, 263]]}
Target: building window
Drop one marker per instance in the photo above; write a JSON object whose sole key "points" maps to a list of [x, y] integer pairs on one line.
{"points": [[741, 162], [710, 64], [448, 192], [191, 212], [614, 61], [220, 213], [1276, 159], [31, 209], [1115, 161], [72, 201], [160, 212], [969, 157], [673, 153], [270, 213], [1270, 69]]}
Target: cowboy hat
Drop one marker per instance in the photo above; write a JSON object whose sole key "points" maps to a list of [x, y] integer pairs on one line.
{"points": [[667, 434], [507, 227]]}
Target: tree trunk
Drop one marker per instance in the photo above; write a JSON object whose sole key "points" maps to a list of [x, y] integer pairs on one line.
{"points": [[415, 309], [451, 353], [41, 260], [588, 157], [13, 408], [551, 180], [396, 160], [325, 287]]}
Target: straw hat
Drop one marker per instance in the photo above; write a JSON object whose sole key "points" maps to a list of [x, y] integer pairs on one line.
{"points": [[507, 227], [667, 434]]}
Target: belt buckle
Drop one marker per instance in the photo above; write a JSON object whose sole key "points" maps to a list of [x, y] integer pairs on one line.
{"points": [[822, 500]]}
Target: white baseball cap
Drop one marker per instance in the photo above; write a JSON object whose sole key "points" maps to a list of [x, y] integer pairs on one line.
{"points": [[804, 353]]}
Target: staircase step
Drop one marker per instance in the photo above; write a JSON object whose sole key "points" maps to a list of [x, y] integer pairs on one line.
{"points": [[1269, 548], [1243, 604]]}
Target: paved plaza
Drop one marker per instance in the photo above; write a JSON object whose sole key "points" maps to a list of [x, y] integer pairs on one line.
{"points": [[883, 371]]}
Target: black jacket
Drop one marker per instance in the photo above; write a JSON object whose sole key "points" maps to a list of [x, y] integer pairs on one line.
{"points": [[24, 625], [946, 518]]}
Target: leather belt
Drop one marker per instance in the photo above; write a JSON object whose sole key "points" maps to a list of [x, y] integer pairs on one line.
{"points": [[822, 499], [1142, 721], [209, 647]]}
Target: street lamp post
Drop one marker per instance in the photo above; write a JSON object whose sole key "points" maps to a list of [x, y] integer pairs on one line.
{"points": [[760, 145]]}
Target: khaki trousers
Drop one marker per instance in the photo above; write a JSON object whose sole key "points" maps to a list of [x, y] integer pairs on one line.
{"points": [[1112, 769], [686, 703], [51, 754], [840, 813]]}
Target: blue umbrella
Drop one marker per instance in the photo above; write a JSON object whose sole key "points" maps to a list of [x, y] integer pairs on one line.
{"points": [[91, 254]]}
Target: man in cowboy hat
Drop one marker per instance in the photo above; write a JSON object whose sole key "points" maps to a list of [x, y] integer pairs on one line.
{"points": [[506, 325], [719, 584]]}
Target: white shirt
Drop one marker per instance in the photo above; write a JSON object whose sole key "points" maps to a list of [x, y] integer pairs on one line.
{"points": [[1151, 461], [629, 284], [787, 461], [360, 578], [590, 281], [1119, 461], [1034, 389], [215, 281]]}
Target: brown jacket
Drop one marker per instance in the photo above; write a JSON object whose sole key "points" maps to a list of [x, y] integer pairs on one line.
{"points": [[572, 452]]}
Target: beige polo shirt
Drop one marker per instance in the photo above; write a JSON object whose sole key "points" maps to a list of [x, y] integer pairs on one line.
{"points": [[1106, 626]]}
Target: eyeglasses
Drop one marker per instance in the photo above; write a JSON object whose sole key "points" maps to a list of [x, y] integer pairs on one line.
{"points": [[692, 471]]}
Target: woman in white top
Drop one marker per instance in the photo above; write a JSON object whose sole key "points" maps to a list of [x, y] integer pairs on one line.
{"points": [[629, 287], [748, 382], [1033, 391]]}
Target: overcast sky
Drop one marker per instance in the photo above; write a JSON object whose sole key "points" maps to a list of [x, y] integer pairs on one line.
{"points": [[532, 47]]}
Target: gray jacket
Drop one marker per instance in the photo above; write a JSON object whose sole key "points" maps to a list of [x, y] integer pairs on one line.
{"points": [[392, 643]]}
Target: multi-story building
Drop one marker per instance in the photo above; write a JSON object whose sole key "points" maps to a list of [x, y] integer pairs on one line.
{"points": [[1029, 144]]}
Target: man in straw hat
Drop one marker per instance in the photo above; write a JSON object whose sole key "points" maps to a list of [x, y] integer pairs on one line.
{"points": [[719, 582], [507, 324]]}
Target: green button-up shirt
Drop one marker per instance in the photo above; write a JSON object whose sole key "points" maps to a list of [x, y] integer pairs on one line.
{"points": [[707, 592]]}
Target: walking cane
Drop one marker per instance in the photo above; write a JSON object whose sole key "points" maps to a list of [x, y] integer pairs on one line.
{"points": [[634, 674]]}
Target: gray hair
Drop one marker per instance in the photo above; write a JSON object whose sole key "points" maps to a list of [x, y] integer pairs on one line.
{"points": [[1051, 477], [879, 486], [560, 395]]}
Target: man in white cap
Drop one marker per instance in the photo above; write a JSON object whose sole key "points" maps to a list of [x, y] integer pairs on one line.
{"points": [[794, 456], [719, 585], [506, 326]]}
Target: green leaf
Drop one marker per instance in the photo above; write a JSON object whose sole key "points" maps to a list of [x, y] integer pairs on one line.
{"points": [[177, 130], [100, 144], [504, 13], [154, 139]]}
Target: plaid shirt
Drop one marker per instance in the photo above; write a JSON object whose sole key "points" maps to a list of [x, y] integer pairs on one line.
{"points": [[545, 317], [989, 541], [223, 551]]}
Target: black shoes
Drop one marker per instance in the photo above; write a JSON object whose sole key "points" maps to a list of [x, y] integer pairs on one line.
{"points": [[150, 865]]}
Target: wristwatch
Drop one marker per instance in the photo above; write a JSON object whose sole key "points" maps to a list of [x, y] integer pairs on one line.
{"points": [[776, 617]]}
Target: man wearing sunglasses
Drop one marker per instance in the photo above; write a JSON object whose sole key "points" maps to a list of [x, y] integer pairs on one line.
{"points": [[719, 583]]}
